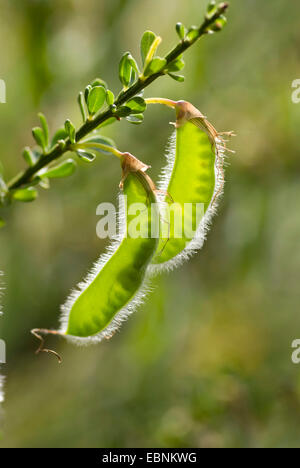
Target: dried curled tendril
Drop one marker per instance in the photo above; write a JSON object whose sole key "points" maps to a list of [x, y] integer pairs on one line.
{"points": [[37, 332]]}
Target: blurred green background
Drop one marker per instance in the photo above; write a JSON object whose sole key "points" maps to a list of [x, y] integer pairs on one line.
{"points": [[206, 362]]}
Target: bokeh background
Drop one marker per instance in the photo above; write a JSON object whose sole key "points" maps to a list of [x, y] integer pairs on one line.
{"points": [[206, 362]]}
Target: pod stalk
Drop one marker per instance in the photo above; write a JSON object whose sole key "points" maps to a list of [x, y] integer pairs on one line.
{"points": [[163, 101], [107, 148]]}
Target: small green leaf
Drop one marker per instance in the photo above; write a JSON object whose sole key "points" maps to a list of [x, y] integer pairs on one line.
{"points": [[61, 144], [125, 70], [65, 169], [39, 137], [29, 156], [2, 222], [45, 127], [25, 195], [96, 99], [211, 5], [179, 78], [156, 65], [71, 131], [100, 139], [110, 98], [211, 10], [87, 92], [192, 33], [123, 111], [146, 42], [176, 65], [99, 82], [44, 183], [136, 104], [60, 134], [133, 64], [85, 155], [80, 101], [180, 29], [135, 119], [219, 24]]}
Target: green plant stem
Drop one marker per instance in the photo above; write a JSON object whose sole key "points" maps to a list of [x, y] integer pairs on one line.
{"points": [[25, 177]]}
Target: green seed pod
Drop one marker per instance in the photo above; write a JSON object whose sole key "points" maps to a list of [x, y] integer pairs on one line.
{"points": [[192, 179], [115, 285]]}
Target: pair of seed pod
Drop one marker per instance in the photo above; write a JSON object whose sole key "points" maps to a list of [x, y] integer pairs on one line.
{"points": [[117, 283]]}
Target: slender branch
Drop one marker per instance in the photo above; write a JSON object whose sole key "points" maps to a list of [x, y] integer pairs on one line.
{"points": [[25, 177]]}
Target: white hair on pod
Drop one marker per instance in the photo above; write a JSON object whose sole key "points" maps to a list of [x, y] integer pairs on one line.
{"points": [[2, 379], [124, 313], [201, 233]]}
